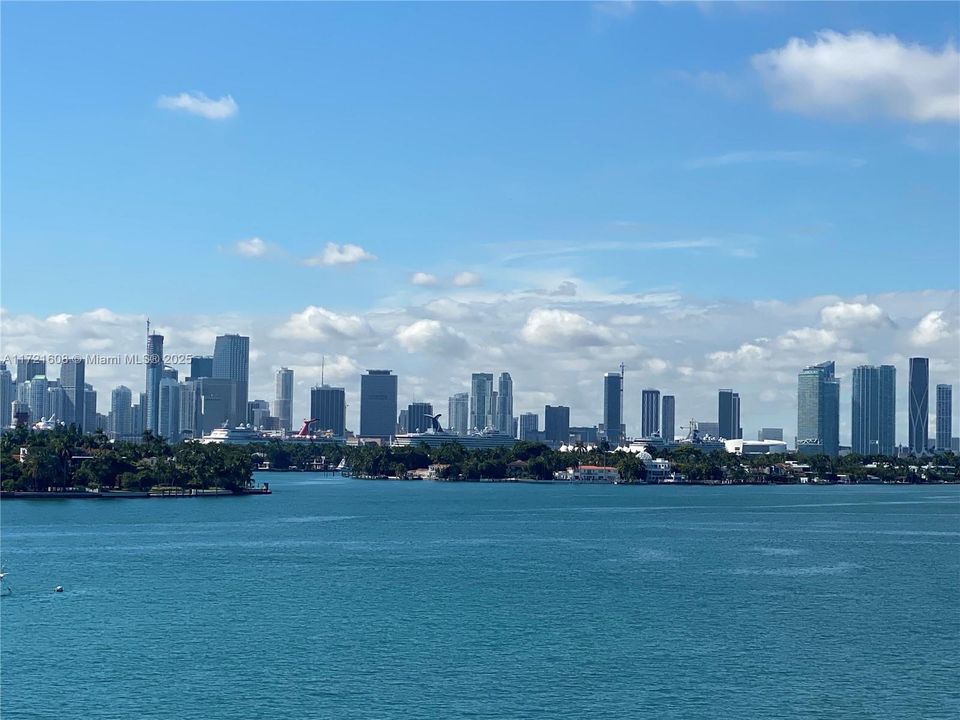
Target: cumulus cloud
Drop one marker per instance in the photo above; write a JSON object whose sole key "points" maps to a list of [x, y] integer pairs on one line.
{"points": [[318, 323], [745, 355], [814, 340], [931, 329], [196, 103], [431, 336], [334, 254], [860, 74], [422, 278], [563, 328], [466, 279], [854, 314]]}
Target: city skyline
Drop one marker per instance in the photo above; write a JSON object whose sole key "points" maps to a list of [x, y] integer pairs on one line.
{"points": [[660, 186]]}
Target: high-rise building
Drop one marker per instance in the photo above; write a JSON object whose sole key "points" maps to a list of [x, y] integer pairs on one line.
{"points": [[19, 413], [328, 406], [613, 407], [668, 419], [201, 366], [121, 408], [168, 409], [378, 404], [944, 416], [888, 410], [219, 405], [918, 398], [556, 424], [818, 410], [258, 413], [56, 402], [529, 426], [418, 417], [649, 412], [29, 368], [38, 398], [458, 413], [481, 401], [90, 421], [865, 410], [7, 395], [504, 404], [231, 361], [728, 414], [154, 363], [72, 380], [191, 406], [769, 433], [283, 405]]}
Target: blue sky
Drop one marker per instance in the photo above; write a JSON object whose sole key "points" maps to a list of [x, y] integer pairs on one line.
{"points": [[432, 134], [652, 155]]}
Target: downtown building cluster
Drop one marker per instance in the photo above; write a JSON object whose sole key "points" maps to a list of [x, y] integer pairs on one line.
{"points": [[215, 395]]}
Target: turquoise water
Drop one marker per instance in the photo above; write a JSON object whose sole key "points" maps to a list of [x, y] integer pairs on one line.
{"points": [[337, 598]]}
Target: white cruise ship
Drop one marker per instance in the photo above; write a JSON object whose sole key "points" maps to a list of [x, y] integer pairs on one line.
{"points": [[240, 435]]}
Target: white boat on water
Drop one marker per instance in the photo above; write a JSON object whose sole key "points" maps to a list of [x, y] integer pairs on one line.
{"points": [[240, 435], [4, 588]]}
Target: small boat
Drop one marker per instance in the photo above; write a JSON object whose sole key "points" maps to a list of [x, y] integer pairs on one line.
{"points": [[4, 589]]}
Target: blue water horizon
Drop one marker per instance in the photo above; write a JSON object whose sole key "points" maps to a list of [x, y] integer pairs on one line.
{"points": [[343, 598]]}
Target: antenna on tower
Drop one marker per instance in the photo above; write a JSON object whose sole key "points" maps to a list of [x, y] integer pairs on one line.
{"points": [[323, 361], [148, 327]]}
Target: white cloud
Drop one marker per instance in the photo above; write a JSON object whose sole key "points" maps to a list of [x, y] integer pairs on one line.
{"points": [[931, 329], [466, 279], [422, 278], [560, 328], [746, 355], [431, 336], [197, 103], [854, 314], [318, 323], [334, 254], [814, 340], [252, 247], [862, 74]]}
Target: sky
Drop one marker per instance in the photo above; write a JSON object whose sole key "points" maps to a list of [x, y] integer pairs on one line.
{"points": [[715, 195]]}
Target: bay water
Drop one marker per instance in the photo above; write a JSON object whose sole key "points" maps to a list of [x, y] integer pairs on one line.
{"points": [[343, 598]]}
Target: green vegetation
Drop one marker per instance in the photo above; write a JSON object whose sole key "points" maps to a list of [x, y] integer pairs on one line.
{"points": [[64, 458]]}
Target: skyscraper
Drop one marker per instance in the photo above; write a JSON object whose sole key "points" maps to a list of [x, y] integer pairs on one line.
{"points": [[328, 406], [39, 406], [154, 363], [56, 401], [818, 410], [481, 401], [649, 412], [418, 417], [613, 407], [458, 413], [191, 407], [770, 433], [7, 395], [668, 421], [231, 361], [888, 410], [556, 424], [378, 404], [728, 414], [505, 404], [29, 368], [865, 410], [529, 426], [283, 405], [944, 416], [120, 410], [201, 366], [168, 409], [72, 381], [90, 423], [918, 404]]}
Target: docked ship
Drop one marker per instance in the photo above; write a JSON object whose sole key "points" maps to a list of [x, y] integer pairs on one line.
{"points": [[437, 436], [240, 435]]}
